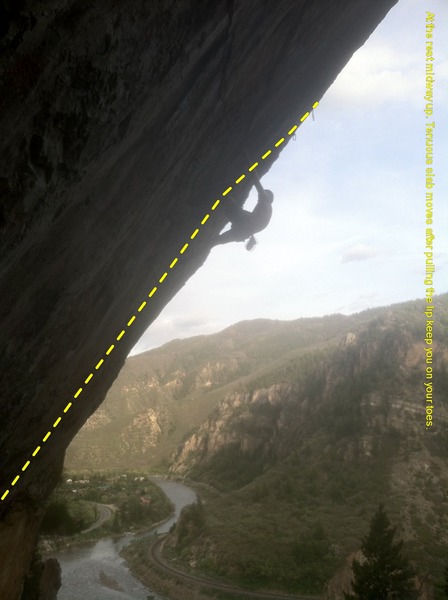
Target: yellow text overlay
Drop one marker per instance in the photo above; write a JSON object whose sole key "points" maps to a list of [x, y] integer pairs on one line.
{"points": [[429, 219]]}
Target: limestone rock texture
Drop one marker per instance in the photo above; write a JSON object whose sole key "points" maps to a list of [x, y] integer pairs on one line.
{"points": [[50, 580], [121, 124]]}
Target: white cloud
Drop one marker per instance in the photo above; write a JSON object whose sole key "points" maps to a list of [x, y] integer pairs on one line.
{"points": [[359, 252], [377, 75]]}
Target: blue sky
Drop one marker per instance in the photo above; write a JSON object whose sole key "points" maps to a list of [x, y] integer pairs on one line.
{"points": [[348, 229]]}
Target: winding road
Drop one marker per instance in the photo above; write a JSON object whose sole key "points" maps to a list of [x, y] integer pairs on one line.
{"points": [[155, 555], [105, 512]]}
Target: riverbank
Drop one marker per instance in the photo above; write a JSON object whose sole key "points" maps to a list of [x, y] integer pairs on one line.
{"points": [[134, 507], [137, 557], [95, 570], [51, 544], [138, 560]]}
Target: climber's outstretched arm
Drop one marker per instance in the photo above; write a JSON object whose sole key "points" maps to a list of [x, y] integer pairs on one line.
{"points": [[257, 183], [256, 179]]}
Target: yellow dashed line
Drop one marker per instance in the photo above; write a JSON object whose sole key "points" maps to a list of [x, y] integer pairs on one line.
{"points": [[154, 289]]}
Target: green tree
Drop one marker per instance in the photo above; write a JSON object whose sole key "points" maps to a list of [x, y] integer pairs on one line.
{"points": [[57, 519], [384, 574], [116, 523], [191, 523]]}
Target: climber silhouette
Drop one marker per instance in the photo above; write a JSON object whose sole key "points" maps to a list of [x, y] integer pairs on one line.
{"points": [[245, 223]]}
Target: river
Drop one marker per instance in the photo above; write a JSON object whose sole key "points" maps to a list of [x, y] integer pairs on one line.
{"points": [[90, 571]]}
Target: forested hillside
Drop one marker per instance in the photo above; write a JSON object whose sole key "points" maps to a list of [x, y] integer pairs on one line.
{"points": [[306, 452]]}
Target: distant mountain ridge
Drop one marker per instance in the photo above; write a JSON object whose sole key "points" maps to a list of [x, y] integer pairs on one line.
{"points": [[362, 384], [161, 395]]}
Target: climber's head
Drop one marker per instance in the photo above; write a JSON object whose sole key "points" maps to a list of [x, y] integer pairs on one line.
{"points": [[269, 196]]}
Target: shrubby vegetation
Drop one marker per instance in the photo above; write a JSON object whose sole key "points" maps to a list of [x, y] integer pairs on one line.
{"points": [[64, 516], [71, 508], [191, 524], [288, 529], [230, 469]]}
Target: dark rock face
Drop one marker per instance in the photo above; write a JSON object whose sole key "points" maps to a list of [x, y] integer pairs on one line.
{"points": [[50, 581], [121, 124], [43, 579]]}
